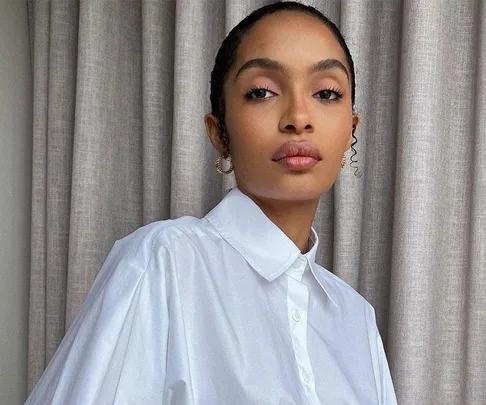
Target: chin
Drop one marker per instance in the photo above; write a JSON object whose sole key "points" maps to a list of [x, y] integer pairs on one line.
{"points": [[289, 189]]}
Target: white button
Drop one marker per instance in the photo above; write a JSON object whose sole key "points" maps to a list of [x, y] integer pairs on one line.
{"points": [[306, 375], [296, 316], [298, 263]]}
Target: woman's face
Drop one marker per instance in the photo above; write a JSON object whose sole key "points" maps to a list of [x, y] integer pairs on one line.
{"points": [[288, 93]]}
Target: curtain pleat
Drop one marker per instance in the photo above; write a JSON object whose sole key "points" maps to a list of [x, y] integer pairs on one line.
{"points": [[120, 92], [196, 187], [158, 33], [473, 363]]}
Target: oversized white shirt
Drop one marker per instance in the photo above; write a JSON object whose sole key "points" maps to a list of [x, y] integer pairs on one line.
{"points": [[219, 310]]}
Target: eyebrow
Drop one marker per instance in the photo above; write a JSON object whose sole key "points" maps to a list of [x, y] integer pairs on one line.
{"points": [[266, 63]]}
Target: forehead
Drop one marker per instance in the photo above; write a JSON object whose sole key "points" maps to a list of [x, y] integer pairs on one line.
{"points": [[296, 39]]}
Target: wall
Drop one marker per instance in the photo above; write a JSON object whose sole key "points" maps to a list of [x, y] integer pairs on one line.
{"points": [[15, 195]]}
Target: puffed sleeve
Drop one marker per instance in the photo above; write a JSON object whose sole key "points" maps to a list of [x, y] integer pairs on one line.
{"points": [[115, 350]]}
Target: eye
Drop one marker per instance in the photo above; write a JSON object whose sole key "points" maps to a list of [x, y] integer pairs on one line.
{"points": [[329, 95], [259, 93]]}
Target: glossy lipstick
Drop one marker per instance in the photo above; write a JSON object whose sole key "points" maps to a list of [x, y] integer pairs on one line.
{"points": [[297, 155]]}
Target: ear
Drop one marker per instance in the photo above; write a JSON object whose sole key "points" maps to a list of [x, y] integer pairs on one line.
{"points": [[213, 132], [354, 129]]}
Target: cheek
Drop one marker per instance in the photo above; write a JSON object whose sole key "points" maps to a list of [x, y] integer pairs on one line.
{"points": [[247, 133], [248, 141], [337, 130]]}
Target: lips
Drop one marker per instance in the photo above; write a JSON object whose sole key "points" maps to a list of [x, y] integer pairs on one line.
{"points": [[297, 155], [296, 148]]}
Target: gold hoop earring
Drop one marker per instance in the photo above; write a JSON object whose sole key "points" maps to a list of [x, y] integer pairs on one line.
{"points": [[219, 164], [343, 162]]}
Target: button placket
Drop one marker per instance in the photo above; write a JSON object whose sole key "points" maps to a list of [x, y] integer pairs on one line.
{"points": [[297, 305]]}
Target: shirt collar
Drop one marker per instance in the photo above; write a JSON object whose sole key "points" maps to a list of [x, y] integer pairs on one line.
{"points": [[241, 222]]}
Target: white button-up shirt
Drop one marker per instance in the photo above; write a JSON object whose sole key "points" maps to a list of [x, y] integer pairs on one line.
{"points": [[219, 310]]}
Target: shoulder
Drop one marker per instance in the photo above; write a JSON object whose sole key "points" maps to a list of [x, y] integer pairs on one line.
{"points": [[148, 252], [162, 235]]}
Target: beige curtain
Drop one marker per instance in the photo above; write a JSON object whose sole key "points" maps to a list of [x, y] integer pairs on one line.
{"points": [[120, 91]]}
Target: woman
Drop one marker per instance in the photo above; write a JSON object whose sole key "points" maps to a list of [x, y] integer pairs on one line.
{"points": [[232, 308]]}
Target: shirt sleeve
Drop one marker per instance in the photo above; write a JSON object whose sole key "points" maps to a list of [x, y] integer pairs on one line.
{"points": [[384, 384], [388, 392], [115, 350]]}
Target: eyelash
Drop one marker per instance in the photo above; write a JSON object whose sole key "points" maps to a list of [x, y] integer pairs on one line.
{"points": [[337, 92]]}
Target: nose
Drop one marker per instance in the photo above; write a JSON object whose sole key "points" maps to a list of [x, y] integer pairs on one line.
{"points": [[296, 117]]}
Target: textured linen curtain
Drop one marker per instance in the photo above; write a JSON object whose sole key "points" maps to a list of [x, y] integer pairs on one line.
{"points": [[120, 91]]}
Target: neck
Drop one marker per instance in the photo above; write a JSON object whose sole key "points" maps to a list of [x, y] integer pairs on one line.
{"points": [[294, 218]]}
